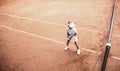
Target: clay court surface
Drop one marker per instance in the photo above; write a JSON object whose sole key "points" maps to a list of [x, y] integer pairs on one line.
{"points": [[33, 35]]}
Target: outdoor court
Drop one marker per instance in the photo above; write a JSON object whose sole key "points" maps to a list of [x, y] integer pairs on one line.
{"points": [[33, 35]]}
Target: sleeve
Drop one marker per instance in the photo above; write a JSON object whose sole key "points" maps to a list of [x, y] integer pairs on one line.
{"points": [[75, 30]]}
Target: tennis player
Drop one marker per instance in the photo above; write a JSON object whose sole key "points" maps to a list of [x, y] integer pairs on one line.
{"points": [[72, 35]]}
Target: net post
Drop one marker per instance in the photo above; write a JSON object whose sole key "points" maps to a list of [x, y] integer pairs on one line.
{"points": [[107, 50]]}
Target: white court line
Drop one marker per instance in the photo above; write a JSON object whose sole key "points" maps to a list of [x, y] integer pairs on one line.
{"points": [[46, 38], [117, 35], [116, 57], [46, 22], [42, 37], [10, 28]]}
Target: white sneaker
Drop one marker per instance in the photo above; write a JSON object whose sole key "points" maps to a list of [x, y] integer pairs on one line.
{"points": [[66, 48], [78, 51]]}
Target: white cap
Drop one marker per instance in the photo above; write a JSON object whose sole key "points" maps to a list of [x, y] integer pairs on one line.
{"points": [[71, 25]]}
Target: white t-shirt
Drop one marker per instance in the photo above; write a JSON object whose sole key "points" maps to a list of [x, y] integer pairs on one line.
{"points": [[71, 31]]}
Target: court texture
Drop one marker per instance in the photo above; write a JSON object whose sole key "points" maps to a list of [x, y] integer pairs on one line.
{"points": [[33, 35]]}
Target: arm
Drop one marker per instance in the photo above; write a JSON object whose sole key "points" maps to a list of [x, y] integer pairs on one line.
{"points": [[67, 34], [72, 35]]}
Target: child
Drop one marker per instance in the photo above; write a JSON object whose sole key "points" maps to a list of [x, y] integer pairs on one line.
{"points": [[72, 35]]}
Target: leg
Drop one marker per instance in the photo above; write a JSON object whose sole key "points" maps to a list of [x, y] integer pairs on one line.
{"points": [[67, 45], [68, 41], [76, 45], [78, 50]]}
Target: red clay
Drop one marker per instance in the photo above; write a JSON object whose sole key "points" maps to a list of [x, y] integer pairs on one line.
{"points": [[33, 35]]}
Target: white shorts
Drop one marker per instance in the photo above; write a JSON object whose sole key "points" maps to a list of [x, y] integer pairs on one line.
{"points": [[74, 39]]}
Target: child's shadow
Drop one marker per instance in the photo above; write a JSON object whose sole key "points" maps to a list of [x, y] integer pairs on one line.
{"points": [[72, 53]]}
